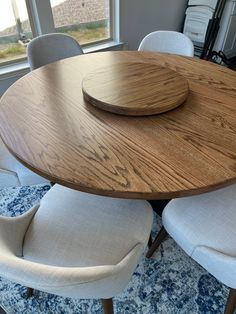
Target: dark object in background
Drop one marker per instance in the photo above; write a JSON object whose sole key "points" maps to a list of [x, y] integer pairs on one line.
{"points": [[233, 63], [212, 30], [2, 311], [159, 205], [220, 58]]}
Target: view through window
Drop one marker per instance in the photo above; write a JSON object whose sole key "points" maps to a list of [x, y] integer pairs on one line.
{"points": [[14, 29], [86, 20]]}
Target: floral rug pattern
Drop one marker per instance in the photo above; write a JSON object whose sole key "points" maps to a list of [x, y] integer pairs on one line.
{"points": [[169, 283]]}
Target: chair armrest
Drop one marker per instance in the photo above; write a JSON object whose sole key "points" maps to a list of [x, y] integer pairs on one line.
{"points": [[71, 280], [12, 231]]}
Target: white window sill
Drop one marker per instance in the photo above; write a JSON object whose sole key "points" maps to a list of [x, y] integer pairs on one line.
{"points": [[12, 70], [105, 46], [21, 68]]}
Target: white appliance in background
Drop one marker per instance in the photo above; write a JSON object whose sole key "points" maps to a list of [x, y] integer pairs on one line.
{"points": [[198, 15], [196, 22], [209, 3]]}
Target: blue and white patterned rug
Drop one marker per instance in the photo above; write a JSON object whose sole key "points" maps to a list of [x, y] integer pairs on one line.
{"points": [[169, 283]]}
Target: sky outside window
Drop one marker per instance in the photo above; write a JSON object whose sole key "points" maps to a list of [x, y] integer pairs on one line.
{"points": [[7, 18]]}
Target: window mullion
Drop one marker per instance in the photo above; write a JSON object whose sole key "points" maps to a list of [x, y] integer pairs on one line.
{"points": [[41, 18], [115, 20]]}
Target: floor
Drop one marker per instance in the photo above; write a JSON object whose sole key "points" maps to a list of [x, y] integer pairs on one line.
{"points": [[15, 173]]}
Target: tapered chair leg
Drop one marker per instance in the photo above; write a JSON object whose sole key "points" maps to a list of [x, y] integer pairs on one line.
{"points": [[30, 292], [150, 241], [159, 239], [107, 306], [231, 302]]}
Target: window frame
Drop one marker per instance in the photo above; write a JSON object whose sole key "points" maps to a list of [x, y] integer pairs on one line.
{"points": [[41, 22]]}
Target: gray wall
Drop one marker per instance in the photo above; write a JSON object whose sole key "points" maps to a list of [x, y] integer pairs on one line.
{"points": [[140, 17]]}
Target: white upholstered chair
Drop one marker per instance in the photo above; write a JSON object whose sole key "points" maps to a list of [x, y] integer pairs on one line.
{"points": [[169, 42], [166, 42], [52, 47], [204, 226], [75, 244]]}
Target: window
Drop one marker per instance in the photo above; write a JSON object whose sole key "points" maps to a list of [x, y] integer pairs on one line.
{"points": [[89, 21], [86, 20], [14, 30]]}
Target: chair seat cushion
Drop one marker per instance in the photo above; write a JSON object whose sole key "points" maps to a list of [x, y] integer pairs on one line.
{"points": [[205, 220], [76, 229]]}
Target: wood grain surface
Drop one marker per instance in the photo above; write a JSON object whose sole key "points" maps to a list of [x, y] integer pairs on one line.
{"points": [[135, 88], [46, 123]]}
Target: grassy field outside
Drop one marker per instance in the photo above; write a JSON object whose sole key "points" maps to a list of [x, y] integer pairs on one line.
{"points": [[87, 36], [87, 33], [11, 51]]}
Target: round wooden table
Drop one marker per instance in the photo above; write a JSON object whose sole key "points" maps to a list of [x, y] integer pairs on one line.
{"points": [[49, 127]]}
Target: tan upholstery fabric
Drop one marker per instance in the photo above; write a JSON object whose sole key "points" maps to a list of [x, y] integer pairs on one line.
{"points": [[79, 245], [205, 227]]}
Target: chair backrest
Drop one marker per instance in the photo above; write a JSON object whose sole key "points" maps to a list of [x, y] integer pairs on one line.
{"points": [[167, 41], [51, 47]]}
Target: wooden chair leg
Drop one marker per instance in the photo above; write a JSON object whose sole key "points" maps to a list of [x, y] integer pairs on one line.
{"points": [[107, 306], [231, 302], [150, 241], [2, 311], [156, 243], [30, 292]]}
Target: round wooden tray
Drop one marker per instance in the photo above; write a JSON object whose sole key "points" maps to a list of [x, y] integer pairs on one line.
{"points": [[135, 88]]}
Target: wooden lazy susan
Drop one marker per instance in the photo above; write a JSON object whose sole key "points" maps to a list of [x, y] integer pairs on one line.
{"points": [[135, 88]]}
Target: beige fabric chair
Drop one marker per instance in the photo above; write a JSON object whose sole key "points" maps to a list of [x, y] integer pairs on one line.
{"points": [[75, 244], [52, 47], [169, 42], [204, 226]]}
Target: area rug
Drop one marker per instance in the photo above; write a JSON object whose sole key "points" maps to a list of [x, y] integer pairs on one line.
{"points": [[169, 283]]}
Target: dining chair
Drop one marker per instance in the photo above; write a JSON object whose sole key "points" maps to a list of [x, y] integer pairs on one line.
{"points": [[52, 47], [204, 226], [168, 42], [76, 245]]}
